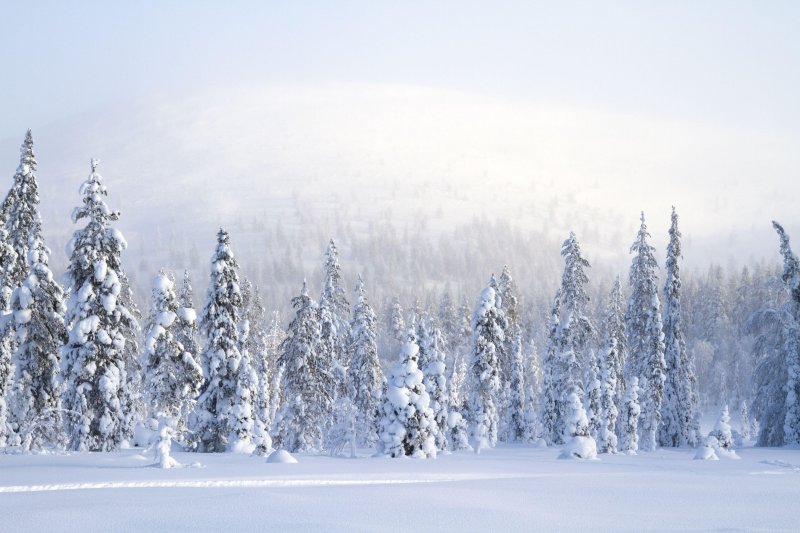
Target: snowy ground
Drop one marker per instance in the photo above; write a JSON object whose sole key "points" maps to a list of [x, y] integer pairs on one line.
{"points": [[507, 489]]}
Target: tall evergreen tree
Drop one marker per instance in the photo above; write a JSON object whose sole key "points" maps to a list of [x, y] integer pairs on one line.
{"points": [[174, 378], [679, 411], [431, 362], [791, 338], [533, 389], [615, 328], [607, 438], [488, 326], [275, 337], [509, 299], [95, 358], [364, 373], [306, 388], [396, 324], [518, 421], [552, 379], [186, 322], [213, 419], [39, 309], [255, 344], [570, 332], [645, 335], [334, 308]]}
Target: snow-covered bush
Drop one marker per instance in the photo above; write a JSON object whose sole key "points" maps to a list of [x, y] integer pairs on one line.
{"points": [[458, 432], [722, 430], [163, 446], [578, 443]]}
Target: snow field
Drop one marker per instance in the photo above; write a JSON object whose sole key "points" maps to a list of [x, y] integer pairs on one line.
{"points": [[511, 488]]}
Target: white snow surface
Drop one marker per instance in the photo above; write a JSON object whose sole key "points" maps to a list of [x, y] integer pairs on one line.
{"points": [[510, 488]]}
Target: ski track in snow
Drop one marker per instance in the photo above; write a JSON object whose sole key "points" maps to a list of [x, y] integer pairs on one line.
{"points": [[230, 483]]}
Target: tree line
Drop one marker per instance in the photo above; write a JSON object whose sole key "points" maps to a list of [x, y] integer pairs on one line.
{"points": [[82, 369]]}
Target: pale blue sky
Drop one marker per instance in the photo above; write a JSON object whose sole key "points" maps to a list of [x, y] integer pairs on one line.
{"points": [[736, 63]]}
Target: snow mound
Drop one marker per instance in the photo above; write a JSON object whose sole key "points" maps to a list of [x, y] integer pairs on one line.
{"points": [[281, 456], [705, 453], [579, 448], [730, 454]]}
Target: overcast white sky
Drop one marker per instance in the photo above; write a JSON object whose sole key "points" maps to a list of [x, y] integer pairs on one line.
{"points": [[730, 62]]}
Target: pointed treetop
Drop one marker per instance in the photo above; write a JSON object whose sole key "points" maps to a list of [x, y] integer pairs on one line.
{"points": [[222, 236], [360, 288], [94, 162], [27, 161], [304, 290], [791, 265]]}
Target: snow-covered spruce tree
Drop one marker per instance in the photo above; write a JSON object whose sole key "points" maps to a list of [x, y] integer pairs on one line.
{"points": [[552, 379], [518, 422], [722, 429], [679, 423], [186, 321], [21, 211], [607, 436], [255, 345], [248, 434], [488, 326], [334, 310], [791, 338], [39, 308], [364, 373], [275, 337], [509, 302], [630, 418], [593, 393], [570, 332], [341, 433], [213, 419], [95, 359], [767, 326], [533, 389], [396, 324], [407, 423], [173, 377], [646, 336], [744, 421], [578, 443], [449, 324], [334, 313], [615, 328], [306, 395], [435, 381]]}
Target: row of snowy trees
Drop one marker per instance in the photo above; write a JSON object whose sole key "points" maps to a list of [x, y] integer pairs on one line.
{"points": [[74, 374]]}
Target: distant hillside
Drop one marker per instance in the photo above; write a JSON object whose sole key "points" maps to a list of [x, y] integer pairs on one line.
{"points": [[411, 181]]}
